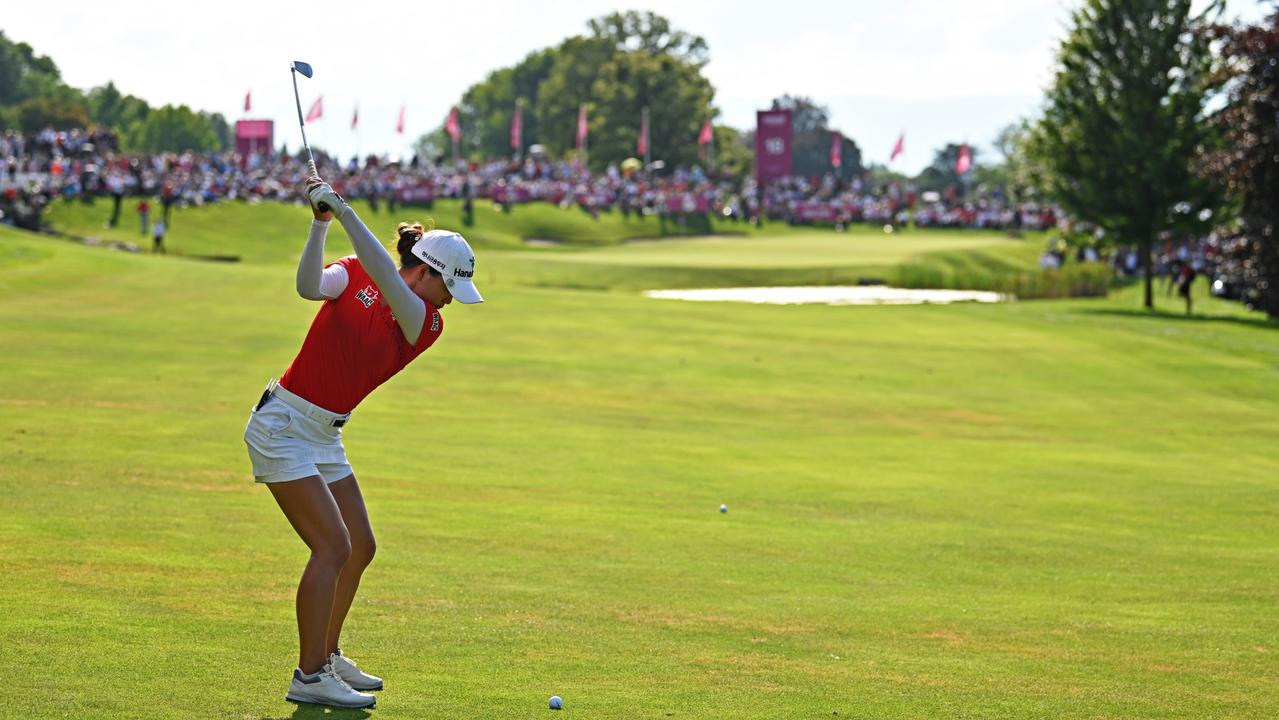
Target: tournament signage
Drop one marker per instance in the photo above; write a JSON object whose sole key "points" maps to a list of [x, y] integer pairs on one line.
{"points": [[773, 145]]}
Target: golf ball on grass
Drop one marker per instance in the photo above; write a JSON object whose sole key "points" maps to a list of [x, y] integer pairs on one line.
{"points": [[556, 703], [723, 508]]}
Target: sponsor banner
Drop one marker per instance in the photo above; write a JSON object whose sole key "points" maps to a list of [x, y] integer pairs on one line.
{"points": [[687, 203], [423, 194], [817, 212], [773, 145]]}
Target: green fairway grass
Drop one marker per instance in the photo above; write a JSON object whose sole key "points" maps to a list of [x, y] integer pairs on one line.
{"points": [[774, 254], [248, 230], [1051, 509]]}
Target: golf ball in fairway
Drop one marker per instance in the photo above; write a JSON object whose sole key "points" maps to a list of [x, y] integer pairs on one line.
{"points": [[723, 508], [556, 703]]}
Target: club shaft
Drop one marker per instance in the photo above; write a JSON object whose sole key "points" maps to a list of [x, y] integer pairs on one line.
{"points": [[301, 123]]}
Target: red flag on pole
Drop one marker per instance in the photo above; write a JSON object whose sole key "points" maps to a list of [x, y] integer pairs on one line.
{"points": [[399, 122], [641, 144], [836, 150], [355, 117], [451, 125], [517, 127], [317, 109], [581, 128], [704, 138], [899, 148], [965, 161], [247, 104]]}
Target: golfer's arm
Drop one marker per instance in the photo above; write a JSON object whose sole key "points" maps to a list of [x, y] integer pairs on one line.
{"points": [[409, 309], [314, 281]]}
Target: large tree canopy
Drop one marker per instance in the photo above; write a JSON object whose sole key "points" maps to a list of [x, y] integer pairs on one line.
{"points": [[627, 62], [1247, 165], [1124, 117]]}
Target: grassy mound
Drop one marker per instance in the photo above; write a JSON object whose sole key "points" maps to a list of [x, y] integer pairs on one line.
{"points": [[587, 253]]}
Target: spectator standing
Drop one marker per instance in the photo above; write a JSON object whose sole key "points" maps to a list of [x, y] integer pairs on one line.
{"points": [[115, 185], [166, 199], [157, 232], [1184, 283], [144, 215]]}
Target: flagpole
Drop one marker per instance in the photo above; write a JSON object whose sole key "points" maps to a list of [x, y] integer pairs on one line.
{"points": [[519, 145], [648, 141], [710, 151]]}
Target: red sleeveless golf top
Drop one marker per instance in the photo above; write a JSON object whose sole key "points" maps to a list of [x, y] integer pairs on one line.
{"points": [[354, 345]]}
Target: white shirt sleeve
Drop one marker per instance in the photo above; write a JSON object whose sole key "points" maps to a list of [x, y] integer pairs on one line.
{"points": [[333, 281], [409, 309], [314, 281]]}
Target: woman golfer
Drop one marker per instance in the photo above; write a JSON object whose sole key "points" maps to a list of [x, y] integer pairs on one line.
{"points": [[374, 320]]}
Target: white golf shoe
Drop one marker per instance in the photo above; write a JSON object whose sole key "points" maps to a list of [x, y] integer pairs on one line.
{"points": [[347, 670], [327, 688]]}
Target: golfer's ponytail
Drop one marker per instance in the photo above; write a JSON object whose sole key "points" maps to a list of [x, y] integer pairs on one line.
{"points": [[407, 234]]}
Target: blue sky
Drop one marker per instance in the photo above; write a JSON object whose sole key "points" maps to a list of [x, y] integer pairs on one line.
{"points": [[936, 70]]}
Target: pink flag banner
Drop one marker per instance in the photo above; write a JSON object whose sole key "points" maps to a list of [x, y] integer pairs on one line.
{"points": [[355, 117], [247, 103], [317, 109], [899, 148], [773, 145], [581, 128], [641, 145], [836, 150], [452, 126], [517, 128], [965, 161]]}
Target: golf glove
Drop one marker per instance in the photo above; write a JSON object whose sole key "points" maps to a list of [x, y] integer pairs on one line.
{"points": [[323, 193]]}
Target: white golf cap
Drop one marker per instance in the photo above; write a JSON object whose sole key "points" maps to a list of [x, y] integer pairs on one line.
{"points": [[448, 253]]}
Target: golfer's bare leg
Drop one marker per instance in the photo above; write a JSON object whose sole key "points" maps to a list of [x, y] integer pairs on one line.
{"points": [[313, 513], [350, 501]]}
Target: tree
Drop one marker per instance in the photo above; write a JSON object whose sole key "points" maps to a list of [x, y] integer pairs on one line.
{"points": [[172, 129], [109, 108], [940, 176], [56, 111], [734, 155], [566, 88], [23, 74], [1247, 165], [676, 94], [11, 71], [627, 61], [1123, 117], [811, 141], [220, 127], [649, 33], [1016, 174], [487, 107]]}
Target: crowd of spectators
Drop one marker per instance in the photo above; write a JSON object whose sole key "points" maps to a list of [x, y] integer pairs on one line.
{"points": [[85, 165], [828, 201]]}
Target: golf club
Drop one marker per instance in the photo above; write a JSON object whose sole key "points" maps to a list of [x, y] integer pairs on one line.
{"points": [[305, 68]]}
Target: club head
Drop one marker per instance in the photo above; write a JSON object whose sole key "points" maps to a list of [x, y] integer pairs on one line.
{"points": [[302, 67]]}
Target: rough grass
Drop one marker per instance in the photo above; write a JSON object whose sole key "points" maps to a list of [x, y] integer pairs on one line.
{"points": [[1061, 509]]}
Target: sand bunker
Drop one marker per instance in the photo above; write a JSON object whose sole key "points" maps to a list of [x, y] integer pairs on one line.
{"points": [[845, 295]]}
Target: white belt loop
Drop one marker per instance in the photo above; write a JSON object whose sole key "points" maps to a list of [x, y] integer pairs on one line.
{"points": [[311, 410]]}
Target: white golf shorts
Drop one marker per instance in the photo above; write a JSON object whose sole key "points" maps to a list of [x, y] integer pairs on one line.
{"points": [[286, 443]]}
